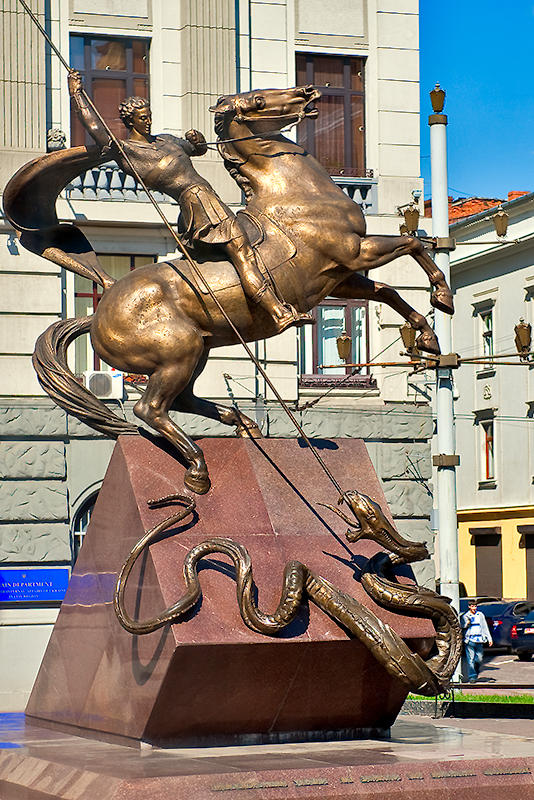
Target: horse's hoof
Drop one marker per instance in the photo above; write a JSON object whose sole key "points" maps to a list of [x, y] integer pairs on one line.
{"points": [[428, 342], [248, 432], [200, 484], [442, 300]]}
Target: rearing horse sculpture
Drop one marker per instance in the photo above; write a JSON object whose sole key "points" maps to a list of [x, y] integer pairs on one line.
{"points": [[158, 321]]}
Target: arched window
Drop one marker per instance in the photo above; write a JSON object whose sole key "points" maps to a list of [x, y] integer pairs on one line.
{"points": [[79, 525]]}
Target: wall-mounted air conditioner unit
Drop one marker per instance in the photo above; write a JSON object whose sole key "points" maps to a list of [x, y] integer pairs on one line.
{"points": [[105, 385]]}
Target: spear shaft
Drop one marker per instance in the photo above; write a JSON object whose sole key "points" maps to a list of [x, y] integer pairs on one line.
{"points": [[188, 258]]}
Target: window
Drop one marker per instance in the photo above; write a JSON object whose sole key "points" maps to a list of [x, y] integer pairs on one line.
{"points": [[86, 297], [488, 560], [526, 542], [112, 70], [336, 138], [486, 322], [320, 363], [488, 459], [80, 524]]}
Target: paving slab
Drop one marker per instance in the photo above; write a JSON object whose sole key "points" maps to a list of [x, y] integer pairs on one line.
{"points": [[444, 759]]}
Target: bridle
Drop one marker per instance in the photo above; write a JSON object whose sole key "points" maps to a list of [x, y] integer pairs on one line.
{"points": [[240, 117]]}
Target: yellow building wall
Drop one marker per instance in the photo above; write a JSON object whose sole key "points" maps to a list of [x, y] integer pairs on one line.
{"points": [[514, 567]]}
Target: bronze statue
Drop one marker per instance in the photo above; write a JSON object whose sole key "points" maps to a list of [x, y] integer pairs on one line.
{"points": [[428, 676], [158, 320], [164, 163]]}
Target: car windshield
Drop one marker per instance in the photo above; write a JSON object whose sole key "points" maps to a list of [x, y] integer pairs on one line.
{"points": [[530, 616]]}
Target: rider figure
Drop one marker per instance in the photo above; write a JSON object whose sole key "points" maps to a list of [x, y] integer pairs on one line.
{"points": [[164, 164]]}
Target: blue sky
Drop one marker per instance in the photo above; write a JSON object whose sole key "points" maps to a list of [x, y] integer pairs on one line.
{"points": [[482, 53]]}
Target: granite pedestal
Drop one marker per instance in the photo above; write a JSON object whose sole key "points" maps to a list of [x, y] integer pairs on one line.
{"points": [[208, 678]]}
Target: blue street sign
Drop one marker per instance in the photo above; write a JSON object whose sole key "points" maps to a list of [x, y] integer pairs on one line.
{"points": [[33, 584]]}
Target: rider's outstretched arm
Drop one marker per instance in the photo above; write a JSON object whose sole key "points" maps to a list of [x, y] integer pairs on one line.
{"points": [[85, 113]]}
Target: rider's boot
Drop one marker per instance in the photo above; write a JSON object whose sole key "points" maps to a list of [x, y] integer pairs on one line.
{"points": [[258, 287], [283, 314]]}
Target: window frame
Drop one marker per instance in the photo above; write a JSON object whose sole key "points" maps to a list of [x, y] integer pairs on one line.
{"points": [[78, 528], [97, 290], [487, 333], [308, 124], [318, 379], [128, 75], [487, 464]]}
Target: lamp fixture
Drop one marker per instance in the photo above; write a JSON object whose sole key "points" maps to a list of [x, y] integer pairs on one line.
{"points": [[408, 339], [500, 222], [523, 338], [437, 98], [344, 346], [411, 218]]}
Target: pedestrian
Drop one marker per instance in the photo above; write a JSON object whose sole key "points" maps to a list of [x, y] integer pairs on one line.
{"points": [[476, 635]]}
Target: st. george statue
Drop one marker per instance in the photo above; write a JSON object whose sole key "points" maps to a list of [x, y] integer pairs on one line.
{"points": [[164, 164]]}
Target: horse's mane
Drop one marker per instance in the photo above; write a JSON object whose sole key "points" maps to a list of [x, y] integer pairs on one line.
{"points": [[231, 161]]}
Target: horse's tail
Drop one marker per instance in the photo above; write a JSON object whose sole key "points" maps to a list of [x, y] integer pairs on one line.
{"points": [[50, 363]]}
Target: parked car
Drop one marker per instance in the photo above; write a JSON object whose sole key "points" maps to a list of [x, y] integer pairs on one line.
{"points": [[464, 601], [522, 637], [503, 623]]}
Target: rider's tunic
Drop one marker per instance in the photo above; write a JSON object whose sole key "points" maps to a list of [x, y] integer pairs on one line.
{"points": [[165, 166]]}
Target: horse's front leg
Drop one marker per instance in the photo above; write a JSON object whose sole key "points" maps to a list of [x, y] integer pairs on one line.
{"points": [[375, 251], [358, 287]]}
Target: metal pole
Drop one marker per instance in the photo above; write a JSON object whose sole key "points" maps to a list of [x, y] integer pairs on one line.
{"points": [[446, 475]]}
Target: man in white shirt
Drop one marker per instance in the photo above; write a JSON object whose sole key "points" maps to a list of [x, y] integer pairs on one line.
{"points": [[476, 634]]}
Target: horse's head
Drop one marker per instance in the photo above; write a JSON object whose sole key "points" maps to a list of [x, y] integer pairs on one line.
{"points": [[267, 109]]}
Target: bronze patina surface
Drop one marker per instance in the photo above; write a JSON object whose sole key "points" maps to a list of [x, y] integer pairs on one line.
{"points": [[155, 321], [299, 583], [160, 321]]}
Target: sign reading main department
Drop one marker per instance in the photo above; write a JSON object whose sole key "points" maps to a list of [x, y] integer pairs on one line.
{"points": [[33, 584]]}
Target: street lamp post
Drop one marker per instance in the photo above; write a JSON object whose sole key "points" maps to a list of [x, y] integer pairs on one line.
{"points": [[446, 460]]}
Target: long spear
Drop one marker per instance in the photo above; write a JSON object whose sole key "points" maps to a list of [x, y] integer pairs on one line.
{"points": [[192, 264]]}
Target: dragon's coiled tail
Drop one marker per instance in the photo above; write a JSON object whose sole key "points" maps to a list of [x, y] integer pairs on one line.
{"points": [[425, 677], [417, 601]]}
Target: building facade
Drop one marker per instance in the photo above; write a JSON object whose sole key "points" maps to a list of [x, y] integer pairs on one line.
{"points": [[363, 55], [493, 283]]}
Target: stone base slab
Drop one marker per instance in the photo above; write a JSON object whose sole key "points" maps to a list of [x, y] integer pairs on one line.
{"points": [[417, 763]]}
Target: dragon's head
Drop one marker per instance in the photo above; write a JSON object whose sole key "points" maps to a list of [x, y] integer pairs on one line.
{"points": [[371, 523]]}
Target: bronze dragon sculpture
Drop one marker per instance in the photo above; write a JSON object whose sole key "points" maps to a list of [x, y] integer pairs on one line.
{"points": [[428, 677]]}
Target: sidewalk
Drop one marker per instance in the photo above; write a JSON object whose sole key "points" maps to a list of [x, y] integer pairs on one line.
{"points": [[499, 667]]}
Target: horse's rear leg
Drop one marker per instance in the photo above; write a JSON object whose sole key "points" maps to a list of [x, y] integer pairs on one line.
{"points": [[188, 402], [375, 251], [165, 383], [359, 287]]}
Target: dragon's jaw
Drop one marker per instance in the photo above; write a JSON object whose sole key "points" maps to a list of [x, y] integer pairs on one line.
{"points": [[372, 524]]}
